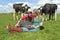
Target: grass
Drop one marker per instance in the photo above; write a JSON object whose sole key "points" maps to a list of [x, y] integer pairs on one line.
{"points": [[51, 31]]}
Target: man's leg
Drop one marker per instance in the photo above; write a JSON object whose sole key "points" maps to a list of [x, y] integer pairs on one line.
{"points": [[25, 29], [14, 29], [35, 29]]}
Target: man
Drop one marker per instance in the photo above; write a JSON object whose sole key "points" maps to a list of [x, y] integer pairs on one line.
{"points": [[26, 17]]}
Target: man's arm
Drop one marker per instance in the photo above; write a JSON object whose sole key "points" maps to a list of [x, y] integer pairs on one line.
{"points": [[24, 17]]}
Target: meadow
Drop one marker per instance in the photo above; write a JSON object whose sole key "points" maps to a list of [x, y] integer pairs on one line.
{"points": [[51, 30]]}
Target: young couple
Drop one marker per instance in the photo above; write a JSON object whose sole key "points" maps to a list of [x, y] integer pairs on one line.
{"points": [[29, 22]]}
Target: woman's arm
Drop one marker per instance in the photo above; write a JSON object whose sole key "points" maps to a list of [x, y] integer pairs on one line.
{"points": [[42, 18], [41, 24]]}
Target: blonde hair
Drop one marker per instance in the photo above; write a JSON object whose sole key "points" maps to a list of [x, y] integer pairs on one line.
{"points": [[35, 11]]}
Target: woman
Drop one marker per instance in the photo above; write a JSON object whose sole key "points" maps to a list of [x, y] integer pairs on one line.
{"points": [[34, 18], [38, 20]]}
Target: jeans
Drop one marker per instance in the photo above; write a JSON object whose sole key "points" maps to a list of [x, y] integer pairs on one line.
{"points": [[25, 29]]}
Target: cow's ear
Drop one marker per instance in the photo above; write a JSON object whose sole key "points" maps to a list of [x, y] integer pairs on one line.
{"points": [[38, 8]]}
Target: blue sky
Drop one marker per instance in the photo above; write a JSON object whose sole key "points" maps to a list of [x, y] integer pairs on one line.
{"points": [[7, 5], [12, 1]]}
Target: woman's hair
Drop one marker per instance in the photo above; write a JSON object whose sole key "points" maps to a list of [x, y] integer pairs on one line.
{"points": [[35, 11]]}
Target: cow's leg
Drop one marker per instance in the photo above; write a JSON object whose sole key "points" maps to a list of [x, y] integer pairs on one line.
{"points": [[46, 16], [55, 15], [22, 14], [17, 15], [49, 16], [52, 15], [14, 14]]}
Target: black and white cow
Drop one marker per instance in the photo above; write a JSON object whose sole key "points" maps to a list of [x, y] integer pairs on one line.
{"points": [[49, 9], [19, 8]]}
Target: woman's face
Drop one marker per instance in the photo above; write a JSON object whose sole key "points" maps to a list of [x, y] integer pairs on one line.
{"points": [[36, 13]]}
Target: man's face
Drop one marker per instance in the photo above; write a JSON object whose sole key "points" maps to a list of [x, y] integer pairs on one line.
{"points": [[30, 13]]}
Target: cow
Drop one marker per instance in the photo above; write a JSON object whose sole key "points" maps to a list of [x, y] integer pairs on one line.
{"points": [[49, 9], [19, 8]]}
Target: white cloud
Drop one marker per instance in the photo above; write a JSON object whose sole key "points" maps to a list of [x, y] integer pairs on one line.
{"points": [[42, 2], [9, 7], [56, 1], [58, 6], [10, 4], [29, 4], [35, 7], [5, 8], [0, 5]]}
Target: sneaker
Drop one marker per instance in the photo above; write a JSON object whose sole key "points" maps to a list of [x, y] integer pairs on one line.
{"points": [[13, 29], [9, 27], [41, 27]]}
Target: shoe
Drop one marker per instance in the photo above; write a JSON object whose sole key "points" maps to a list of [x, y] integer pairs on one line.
{"points": [[13, 29], [41, 27], [10, 28]]}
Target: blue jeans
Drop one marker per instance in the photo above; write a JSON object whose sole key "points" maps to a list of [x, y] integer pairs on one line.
{"points": [[25, 29]]}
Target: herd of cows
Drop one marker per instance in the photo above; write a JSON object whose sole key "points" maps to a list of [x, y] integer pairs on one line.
{"points": [[47, 9]]}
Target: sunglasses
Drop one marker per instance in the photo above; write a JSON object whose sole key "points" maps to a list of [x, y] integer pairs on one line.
{"points": [[30, 12]]}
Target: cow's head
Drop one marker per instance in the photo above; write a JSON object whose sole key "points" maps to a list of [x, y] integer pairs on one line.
{"points": [[25, 8], [41, 9]]}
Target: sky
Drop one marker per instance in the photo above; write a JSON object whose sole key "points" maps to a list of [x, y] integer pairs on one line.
{"points": [[7, 5]]}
